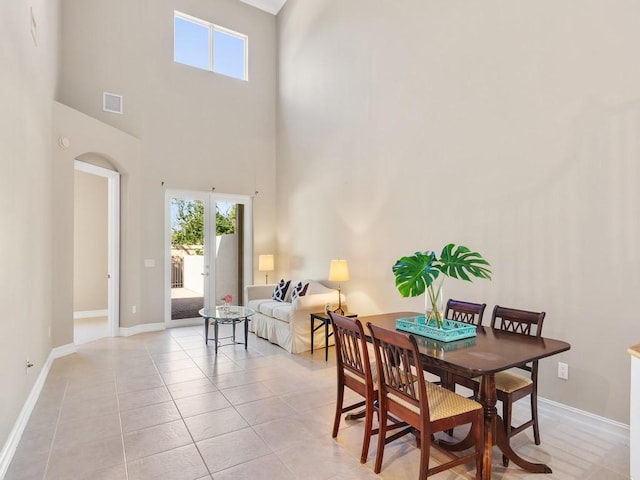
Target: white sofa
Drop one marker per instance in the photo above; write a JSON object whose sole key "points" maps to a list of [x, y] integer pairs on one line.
{"points": [[288, 324]]}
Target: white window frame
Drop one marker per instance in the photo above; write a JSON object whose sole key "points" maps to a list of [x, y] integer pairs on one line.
{"points": [[212, 27]]}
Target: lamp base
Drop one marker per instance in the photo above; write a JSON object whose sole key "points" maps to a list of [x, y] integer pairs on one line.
{"points": [[339, 310]]}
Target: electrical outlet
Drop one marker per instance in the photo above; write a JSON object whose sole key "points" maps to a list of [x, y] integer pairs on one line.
{"points": [[134, 309], [563, 371]]}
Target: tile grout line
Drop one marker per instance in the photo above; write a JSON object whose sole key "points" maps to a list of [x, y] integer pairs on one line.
{"points": [[55, 430], [124, 450], [236, 410], [178, 409]]}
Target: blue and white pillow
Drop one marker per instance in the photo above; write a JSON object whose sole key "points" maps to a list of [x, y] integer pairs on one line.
{"points": [[299, 290], [280, 292]]}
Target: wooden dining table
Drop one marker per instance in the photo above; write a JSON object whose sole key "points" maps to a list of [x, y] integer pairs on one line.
{"points": [[489, 352]]}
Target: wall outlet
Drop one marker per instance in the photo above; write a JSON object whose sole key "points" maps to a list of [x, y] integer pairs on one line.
{"points": [[134, 309], [563, 371]]}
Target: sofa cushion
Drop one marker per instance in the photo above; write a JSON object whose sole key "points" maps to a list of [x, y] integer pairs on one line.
{"points": [[283, 312], [300, 290], [270, 306], [280, 292]]}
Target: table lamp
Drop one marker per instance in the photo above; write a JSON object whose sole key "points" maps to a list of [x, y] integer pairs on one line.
{"points": [[339, 272], [265, 264]]}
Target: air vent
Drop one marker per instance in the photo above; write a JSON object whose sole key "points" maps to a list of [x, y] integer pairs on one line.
{"points": [[112, 102]]}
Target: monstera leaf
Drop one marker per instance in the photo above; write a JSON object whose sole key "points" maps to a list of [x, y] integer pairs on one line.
{"points": [[460, 262], [415, 274]]}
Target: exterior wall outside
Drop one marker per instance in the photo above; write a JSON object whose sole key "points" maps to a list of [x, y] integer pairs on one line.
{"points": [[510, 128]]}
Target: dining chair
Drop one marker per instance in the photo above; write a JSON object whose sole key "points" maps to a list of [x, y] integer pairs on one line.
{"points": [[404, 394], [466, 312], [354, 372], [511, 386]]}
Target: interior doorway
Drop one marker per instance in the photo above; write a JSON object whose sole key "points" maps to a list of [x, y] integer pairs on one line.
{"points": [[96, 252], [209, 252]]}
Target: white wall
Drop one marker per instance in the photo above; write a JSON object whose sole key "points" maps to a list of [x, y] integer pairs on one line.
{"points": [[90, 242], [510, 128], [27, 88], [197, 130]]}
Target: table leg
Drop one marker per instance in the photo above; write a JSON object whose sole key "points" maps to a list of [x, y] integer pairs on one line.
{"points": [[503, 443], [494, 434], [215, 334], [246, 331], [206, 331], [488, 399], [312, 333], [233, 329]]}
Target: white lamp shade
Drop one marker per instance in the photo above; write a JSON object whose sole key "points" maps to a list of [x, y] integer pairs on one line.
{"points": [[265, 263], [339, 271]]}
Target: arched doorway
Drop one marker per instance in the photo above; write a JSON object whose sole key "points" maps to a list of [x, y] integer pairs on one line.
{"points": [[96, 251]]}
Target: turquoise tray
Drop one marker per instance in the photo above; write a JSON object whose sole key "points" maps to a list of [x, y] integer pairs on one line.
{"points": [[450, 331]]}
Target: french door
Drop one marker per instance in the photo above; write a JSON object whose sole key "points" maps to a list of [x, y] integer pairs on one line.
{"points": [[209, 252]]}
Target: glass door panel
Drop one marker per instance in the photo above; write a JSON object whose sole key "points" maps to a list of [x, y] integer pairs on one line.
{"points": [[189, 271]]}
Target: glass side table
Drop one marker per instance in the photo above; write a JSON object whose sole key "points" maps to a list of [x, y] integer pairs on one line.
{"points": [[231, 314]]}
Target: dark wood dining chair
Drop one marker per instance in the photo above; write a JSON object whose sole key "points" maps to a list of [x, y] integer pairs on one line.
{"points": [[511, 386], [405, 395], [466, 312], [354, 372]]}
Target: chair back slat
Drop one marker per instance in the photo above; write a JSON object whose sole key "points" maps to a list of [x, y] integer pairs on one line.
{"points": [[466, 312], [352, 354], [517, 321], [400, 367], [397, 369]]}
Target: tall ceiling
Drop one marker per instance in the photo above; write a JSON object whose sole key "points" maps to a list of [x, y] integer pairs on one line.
{"points": [[271, 6]]}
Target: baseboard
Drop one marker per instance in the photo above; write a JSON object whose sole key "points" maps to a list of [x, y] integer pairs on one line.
{"points": [[90, 314], [62, 351], [9, 449], [587, 417], [142, 328]]}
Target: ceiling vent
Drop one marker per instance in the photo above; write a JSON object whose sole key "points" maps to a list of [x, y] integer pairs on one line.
{"points": [[112, 103]]}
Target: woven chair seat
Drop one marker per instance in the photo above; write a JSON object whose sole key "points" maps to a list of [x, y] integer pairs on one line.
{"points": [[509, 382], [374, 375], [443, 403]]}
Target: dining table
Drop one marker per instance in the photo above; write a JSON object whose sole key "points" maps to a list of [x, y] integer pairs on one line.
{"points": [[491, 351]]}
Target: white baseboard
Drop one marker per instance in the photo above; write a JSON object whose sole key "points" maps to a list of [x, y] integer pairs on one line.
{"points": [[142, 328], [9, 449], [62, 351], [90, 314], [586, 417]]}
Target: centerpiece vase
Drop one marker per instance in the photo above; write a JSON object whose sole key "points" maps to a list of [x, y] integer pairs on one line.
{"points": [[434, 304]]}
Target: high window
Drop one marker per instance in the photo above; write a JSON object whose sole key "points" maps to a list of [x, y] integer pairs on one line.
{"points": [[201, 44]]}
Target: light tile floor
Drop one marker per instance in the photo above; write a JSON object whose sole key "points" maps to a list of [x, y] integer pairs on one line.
{"points": [[162, 405]]}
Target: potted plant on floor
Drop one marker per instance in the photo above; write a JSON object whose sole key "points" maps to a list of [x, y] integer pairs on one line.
{"points": [[424, 272]]}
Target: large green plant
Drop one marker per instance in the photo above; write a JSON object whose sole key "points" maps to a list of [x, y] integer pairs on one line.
{"points": [[417, 274]]}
